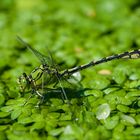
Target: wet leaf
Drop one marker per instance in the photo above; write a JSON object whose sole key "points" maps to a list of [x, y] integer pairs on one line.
{"points": [[4, 114], [128, 120], [26, 120], [2, 99], [99, 83], [15, 114], [103, 111], [38, 125], [75, 78], [96, 93], [111, 122], [136, 131], [123, 108], [57, 131], [119, 77], [7, 108]]}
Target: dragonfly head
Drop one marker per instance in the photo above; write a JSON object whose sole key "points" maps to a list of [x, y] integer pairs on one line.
{"points": [[23, 81], [44, 65]]}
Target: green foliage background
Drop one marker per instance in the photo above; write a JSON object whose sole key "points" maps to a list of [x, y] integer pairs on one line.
{"points": [[76, 32]]}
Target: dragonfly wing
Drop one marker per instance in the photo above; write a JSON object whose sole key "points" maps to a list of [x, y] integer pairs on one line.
{"points": [[43, 59]]}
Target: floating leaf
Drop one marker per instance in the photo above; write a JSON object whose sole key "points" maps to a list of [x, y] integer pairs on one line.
{"points": [[136, 131], [4, 114], [110, 123], [138, 118], [73, 131], [133, 94], [16, 113], [56, 132], [99, 82], [119, 77], [96, 93], [2, 136], [103, 111], [128, 120], [26, 120], [3, 127], [18, 129], [2, 99], [7, 108], [38, 125], [110, 90], [75, 78], [123, 108]]}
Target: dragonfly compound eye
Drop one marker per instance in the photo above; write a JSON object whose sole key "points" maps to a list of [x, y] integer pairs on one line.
{"points": [[44, 65], [22, 82], [24, 75]]}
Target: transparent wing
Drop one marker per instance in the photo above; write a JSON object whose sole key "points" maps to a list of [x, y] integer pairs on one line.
{"points": [[43, 59]]}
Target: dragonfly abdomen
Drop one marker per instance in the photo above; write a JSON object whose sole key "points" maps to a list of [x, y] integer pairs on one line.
{"points": [[126, 55]]}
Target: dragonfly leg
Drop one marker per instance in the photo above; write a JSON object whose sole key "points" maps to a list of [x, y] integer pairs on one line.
{"points": [[27, 100], [40, 102], [63, 93], [56, 83], [41, 98]]}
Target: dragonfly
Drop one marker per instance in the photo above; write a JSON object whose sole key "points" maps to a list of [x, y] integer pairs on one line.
{"points": [[56, 76]]}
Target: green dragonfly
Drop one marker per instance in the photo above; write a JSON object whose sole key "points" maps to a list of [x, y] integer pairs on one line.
{"points": [[54, 76]]}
